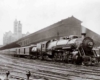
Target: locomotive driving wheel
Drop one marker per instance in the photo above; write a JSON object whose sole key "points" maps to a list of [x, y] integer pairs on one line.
{"points": [[55, 56], [60, 56], [65, 56], [78, 60]]}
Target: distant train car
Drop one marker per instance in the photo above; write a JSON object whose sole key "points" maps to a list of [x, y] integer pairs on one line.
{"points": [[6, 51], [25, 51], [12, 51]]}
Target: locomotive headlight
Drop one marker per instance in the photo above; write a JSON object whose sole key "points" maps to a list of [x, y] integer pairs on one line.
{"points": [[98, 55]]}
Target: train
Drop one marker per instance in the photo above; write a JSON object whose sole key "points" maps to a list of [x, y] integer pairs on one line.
{"points": [[72, 49]]}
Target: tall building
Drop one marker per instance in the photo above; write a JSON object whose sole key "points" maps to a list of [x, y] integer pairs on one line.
{"points": [[17, 27], [19, 31], [11, 37]]}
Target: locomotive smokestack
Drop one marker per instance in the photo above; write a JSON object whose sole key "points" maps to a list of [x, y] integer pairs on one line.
{"points": [[83, 32]]}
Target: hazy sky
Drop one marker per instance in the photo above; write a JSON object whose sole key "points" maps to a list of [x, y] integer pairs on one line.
{"points": [[37, 14]]}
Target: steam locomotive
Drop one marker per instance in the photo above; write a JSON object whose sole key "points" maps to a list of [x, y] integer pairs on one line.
{"points": [[73, 49]]}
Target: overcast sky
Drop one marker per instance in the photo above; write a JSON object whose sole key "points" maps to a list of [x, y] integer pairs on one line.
{"points": [[37, 14]]}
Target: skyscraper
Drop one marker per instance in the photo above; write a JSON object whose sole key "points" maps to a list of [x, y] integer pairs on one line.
{"points": [[17, 27]]}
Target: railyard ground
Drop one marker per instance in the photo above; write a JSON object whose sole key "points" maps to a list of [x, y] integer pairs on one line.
{"points": [[45, 70]]}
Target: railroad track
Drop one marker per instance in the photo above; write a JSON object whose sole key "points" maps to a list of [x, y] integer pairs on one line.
{"points": [[59, 72], [53, 65], [52, 72], [20, 68], [49, 63], [19, 71]]}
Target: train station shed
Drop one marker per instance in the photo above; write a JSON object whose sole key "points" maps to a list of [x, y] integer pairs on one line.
{"points": [[64, 27]]}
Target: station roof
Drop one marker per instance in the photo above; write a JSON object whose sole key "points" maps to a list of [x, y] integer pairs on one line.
{"points": [[64, 27]]}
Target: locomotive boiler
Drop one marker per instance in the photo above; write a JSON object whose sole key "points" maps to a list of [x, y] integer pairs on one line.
{"points": [[72, 49]]}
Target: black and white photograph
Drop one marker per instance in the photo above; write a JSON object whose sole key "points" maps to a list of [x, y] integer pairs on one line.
{"points": [[49, 39]]}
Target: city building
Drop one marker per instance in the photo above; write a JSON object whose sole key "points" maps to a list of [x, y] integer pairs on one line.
{"points": [[9, 37]]}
